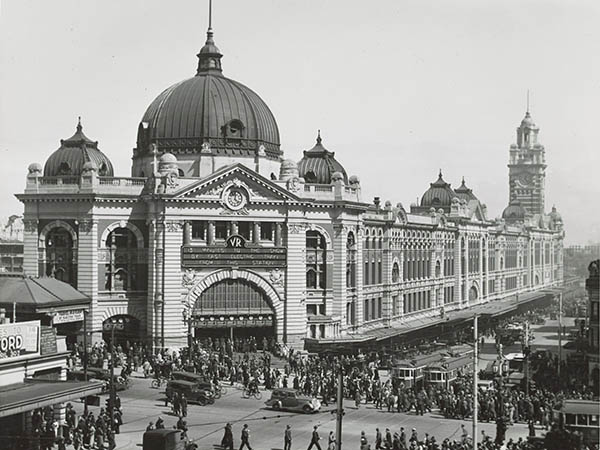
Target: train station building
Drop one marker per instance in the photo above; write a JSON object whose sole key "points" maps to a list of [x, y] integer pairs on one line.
{"points": [[216, 232]]}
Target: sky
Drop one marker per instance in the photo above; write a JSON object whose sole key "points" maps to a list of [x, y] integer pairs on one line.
{"points": [[399, 89]]}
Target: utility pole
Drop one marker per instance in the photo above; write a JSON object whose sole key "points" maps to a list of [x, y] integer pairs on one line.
{"points": [[475, 387], [526, 355], [85, 356], [340, 409]]}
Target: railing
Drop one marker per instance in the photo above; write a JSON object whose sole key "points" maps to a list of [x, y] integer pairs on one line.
{"points": [[58, 180], [122, 181]]}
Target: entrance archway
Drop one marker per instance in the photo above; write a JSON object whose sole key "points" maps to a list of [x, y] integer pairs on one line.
{"points": [[127, 329], [235, 301]]}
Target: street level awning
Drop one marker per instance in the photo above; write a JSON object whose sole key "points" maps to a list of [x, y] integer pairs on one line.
{"points": [[30, 395]]}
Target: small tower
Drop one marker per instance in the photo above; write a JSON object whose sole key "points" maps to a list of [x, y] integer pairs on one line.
{"points": [[527, 167]]}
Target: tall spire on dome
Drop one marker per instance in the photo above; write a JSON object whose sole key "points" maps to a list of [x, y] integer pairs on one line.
{"points": [[209, 58]]}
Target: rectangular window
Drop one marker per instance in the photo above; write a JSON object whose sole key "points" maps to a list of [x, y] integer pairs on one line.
{"points": [[366, 310], [366, 280], [266, 231], [199, 229], [221, 230], [379, 272], [380, 307], [395, 305], [311, 310], [244, 230]]}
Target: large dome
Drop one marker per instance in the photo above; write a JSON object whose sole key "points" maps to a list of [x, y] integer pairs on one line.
{"points": [[209, 110]]}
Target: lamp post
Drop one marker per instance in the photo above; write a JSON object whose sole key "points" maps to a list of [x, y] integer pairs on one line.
{"points": [[187, 318], [114, 324]]}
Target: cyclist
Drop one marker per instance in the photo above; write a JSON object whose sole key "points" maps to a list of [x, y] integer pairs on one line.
{"points": [[252, 386]]}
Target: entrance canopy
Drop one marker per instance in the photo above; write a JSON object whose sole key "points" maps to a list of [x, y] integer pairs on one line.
{"points": [[27, 396]]}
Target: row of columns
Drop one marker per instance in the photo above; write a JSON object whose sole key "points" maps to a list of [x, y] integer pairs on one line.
{"points": [[233, 229]]}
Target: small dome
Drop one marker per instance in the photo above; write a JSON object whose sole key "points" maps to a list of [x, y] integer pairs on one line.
{"points": [[439, 194], [464, 193], [527, 121], [168, 158], [514, 211], [72, 155], [555, 215], [354, 180], [319, 165], [34, 168]]}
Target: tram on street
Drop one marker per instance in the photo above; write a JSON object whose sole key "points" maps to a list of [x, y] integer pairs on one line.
{"points": [[447, 371], [581, 416], [412, 372]]}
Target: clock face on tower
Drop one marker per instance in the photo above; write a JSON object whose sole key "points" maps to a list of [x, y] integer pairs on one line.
{"points": [[524, 179]]}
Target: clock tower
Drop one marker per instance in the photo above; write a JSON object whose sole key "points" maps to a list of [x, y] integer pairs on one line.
{"points": [[527, 168]]}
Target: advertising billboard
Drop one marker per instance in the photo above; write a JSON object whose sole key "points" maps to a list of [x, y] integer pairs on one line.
{"points": [[19, 340]]}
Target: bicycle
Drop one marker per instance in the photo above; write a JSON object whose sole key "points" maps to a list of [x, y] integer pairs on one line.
{"points": [[158, 382], [247, 393], [219, 391]]}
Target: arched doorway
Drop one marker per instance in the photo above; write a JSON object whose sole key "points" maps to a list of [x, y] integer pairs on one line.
{"points": [[126, 329], [234, 307], [59, 256]]}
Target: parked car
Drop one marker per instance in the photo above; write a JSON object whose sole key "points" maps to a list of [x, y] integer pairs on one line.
{"points": [[292, 400], [193, 393]]}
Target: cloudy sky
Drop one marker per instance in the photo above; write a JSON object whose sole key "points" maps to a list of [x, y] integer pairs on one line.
{"points": [[399, 89]]}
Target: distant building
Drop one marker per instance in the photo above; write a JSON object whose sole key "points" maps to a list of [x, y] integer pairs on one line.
{"points": [[217, 230], [11, 244], [593, 311]]}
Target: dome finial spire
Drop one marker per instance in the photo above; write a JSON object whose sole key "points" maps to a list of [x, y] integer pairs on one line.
{"points": [[440, 174], [209, 58], [319, 137], [79, 126], [527, 101]]}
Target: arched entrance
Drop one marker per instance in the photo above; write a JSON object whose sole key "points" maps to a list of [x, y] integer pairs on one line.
{"points": [[236, 303], [126, 329]]}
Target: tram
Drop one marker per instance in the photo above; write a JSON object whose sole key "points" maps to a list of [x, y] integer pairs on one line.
{"points": [[448, 370], [411, 372], [581, 416]]}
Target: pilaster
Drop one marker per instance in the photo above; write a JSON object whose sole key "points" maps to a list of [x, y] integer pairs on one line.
{"points": [[337, 307], [295, 296], [30, 246], [87, 272], [174, 328]]}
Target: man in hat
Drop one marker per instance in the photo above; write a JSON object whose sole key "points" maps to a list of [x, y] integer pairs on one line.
{"points": [[160, 423], [314, 440], [287, 438], [227, 441], [245, 437]]}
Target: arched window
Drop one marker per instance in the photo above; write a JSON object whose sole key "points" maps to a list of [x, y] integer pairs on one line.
{"points": [[395, 273], [121, 267], [351, 261], [438, 269], [316, 259], [180, 172], [59, 256], [103, 170]]}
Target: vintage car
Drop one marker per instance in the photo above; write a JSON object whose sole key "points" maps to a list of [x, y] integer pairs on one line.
{"points": [[193, 393], [201, 381], [292, 400]]}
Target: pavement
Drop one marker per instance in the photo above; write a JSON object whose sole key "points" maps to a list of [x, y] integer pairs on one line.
{"points": [[142, 404]]}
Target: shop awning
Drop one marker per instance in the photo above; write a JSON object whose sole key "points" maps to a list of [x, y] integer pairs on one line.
{"points": [[39, 295], [30, 395]]}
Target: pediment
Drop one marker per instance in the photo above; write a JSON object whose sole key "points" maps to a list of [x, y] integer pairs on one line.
{"points": [[235, 186]]}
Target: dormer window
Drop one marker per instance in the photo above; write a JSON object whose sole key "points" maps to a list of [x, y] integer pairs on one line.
{"points": [[234, 129], [102, 171], [64, 169], [310, 177]]}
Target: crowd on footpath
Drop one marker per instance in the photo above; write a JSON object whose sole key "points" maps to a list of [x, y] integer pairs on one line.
{"points": [[85, 431]]}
